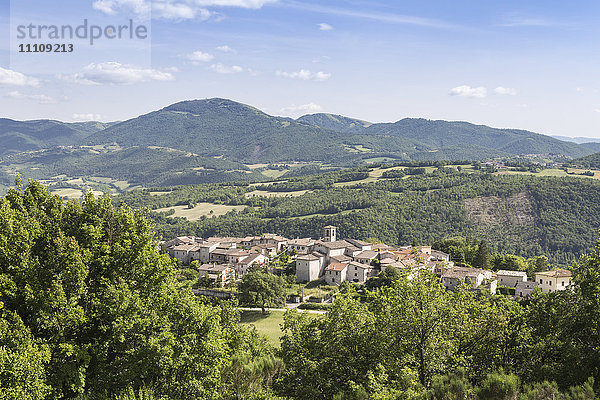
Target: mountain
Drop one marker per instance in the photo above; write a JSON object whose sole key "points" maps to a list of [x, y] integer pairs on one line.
{"points": [[130, 166], [220, 127], [335, 122], [592, 161], [19, 136], [594, 146], [441, 135], [578, 140]]}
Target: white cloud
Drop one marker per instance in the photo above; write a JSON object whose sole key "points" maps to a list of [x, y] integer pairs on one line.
{"points": [[305, 75], [505, 91], [86, 117], [198, 56], [116, 74], [40, 98], [225, 49], [310, 107], [597, 110], [174, 9], [468, 91], [13, 78], [226, 69], [325, 27]]}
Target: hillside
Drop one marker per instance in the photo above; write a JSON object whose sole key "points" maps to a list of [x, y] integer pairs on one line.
{"points": [[19, 136], [441, 135], [518, 214], [591, 162], [335, 122], [99, 167], [219, 127]]}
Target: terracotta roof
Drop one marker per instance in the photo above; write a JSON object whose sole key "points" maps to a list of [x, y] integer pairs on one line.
{"points": [[336, 266], [511, 273], [302, 242], [250, 259], [338, 244], [556, 273], [212, 268], [307, 257], [359, 265], [342, 258], [462, 272], [366, 254], [185, 247]]}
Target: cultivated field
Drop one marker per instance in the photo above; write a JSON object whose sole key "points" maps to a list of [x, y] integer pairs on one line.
{"points": [[201, 209]]}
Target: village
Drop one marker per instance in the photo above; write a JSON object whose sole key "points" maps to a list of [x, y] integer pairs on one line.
{"points": [[225, 260]]}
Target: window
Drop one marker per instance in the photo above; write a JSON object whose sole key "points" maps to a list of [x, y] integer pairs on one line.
{"points": [[563, 283], [541, 281]]}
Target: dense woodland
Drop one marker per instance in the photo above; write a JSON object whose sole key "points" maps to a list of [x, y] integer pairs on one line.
{"points": [[89, 309], [523, 215]]}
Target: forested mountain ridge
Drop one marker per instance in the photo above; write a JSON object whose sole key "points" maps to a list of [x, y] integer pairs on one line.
{"points": [[440, 134], [220, 127], [19, 136]]}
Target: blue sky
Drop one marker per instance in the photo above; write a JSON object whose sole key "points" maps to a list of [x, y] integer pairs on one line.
{"points": [[522, 64]]}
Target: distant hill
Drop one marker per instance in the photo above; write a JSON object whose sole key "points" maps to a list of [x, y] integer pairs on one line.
{"points": [[220, 127], [578, 139], [335, 122], [594, 146], [131, 165], [18, 136], [592, 161]]}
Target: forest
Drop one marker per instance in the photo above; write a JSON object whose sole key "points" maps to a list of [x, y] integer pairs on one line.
{"points": [[90, 309], [524, 215]]}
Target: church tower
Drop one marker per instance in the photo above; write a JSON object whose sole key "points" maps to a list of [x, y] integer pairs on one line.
{"points": [[329, 233]]}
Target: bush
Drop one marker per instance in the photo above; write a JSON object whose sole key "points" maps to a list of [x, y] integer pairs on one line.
{"points": [[315, 306]]}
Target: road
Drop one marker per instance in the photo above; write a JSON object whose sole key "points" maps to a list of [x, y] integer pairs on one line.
{"points": [[281, 309]]}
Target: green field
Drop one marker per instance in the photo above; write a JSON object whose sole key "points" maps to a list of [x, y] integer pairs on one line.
{"points": [[267, 324], [275, 194], [201, 209]]}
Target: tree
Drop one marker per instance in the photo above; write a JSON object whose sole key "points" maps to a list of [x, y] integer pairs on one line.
{"points": [[385, 278], [452, 386], [499, 386], [412, 317], [262, 289], [482, 257], [90, 307]]}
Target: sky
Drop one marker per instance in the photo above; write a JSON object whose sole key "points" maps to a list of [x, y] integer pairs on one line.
{"points": [[531, 65]]}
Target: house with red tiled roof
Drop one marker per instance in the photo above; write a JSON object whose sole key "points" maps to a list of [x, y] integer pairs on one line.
{"points": [[335, 273]]}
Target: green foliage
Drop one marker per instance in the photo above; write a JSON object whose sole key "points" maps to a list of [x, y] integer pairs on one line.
{"points": [[385, 278], [499, 386], [103, 309], [556, 217], [452, 386], [262, 289]]}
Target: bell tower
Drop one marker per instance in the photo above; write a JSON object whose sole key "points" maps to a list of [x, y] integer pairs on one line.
{"points": [[329, 233]]}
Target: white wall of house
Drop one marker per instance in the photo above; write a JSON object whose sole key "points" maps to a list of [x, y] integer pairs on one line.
{"points": [[307, 270], [550, 284], [510, 280]]}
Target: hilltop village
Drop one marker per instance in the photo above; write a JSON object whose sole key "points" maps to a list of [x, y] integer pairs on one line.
{"points": [[224, 260]]}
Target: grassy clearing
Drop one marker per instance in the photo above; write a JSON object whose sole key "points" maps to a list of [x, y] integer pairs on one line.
{"points": [[275, 194], [201, 209], [268, 324], [73, 193], [274, 173], [555, 172]]}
